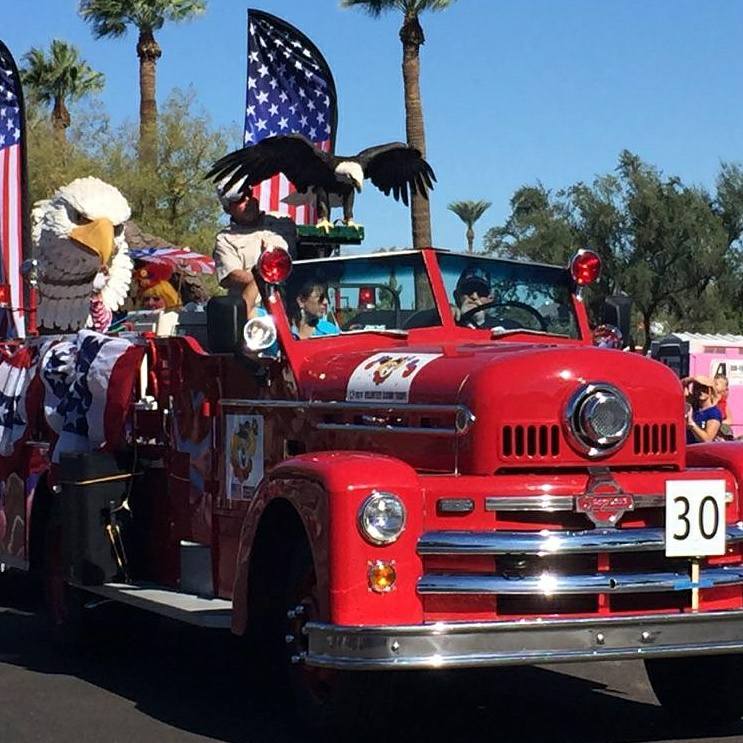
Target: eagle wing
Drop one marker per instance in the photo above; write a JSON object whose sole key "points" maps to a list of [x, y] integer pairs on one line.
{"points": [[291, 154], [397, 167]]}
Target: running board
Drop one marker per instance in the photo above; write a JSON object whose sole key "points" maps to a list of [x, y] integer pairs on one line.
{"points": [[185, 607]]}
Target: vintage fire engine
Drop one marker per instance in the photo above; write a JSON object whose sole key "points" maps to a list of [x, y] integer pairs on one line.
{"points": [[431, 487]]}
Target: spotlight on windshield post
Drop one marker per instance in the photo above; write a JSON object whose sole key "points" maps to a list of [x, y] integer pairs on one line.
{"points": [[259, 334]]}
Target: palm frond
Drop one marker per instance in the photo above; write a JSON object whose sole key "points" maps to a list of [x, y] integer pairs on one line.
{"points": [[469, 211]]}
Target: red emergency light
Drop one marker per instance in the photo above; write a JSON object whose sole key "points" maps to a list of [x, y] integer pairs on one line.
{"points": [[366, 296], [4, 295], [585, 267], [275, 265]]}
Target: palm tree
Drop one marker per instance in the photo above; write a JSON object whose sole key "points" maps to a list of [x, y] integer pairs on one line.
{"points": [[411, 35], [469, 212], [58, 78], [110, 18]]}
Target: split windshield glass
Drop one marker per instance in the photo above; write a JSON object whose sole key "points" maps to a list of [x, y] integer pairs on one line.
{"points": [[513, 295], [384, 292]]}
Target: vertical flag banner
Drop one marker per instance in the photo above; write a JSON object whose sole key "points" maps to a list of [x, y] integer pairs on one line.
{"points": [[14, 214], [290, 90]]}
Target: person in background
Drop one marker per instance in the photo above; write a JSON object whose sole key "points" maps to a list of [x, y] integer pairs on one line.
{"points": [[703, 417], [308, 311], [155, 292], [473, 290], [250, 231], [721, 400]]}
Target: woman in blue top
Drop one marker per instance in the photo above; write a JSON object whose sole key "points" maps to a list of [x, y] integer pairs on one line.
{"points": [[308, 310], [703, 417]]}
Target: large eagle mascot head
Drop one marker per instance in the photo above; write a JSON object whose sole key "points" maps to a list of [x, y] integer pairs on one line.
{"points": [[84, 269], [393, 168]]}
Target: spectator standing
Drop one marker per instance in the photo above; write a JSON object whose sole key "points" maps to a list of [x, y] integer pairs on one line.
{"points": [[703, 417]]}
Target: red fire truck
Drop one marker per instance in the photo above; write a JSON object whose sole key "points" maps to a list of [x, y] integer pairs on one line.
{"points": [[430, 487]]}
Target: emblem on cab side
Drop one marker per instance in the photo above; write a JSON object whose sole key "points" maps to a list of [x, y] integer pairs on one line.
{"points": [[604, 501]]}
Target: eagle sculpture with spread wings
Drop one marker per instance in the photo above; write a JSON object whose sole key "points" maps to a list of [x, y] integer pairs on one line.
{"points": [[393, 168], [84, 269]]}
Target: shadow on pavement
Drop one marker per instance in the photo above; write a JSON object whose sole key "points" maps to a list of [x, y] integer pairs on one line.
{"points": [[196, 681]]}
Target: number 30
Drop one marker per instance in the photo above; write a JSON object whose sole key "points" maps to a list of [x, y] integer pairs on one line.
{"points": [[701, 517]]}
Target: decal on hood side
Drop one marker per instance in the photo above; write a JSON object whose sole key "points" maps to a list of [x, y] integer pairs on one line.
{"points": [[386, 376]]}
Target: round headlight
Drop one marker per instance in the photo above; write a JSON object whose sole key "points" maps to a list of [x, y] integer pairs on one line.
{"points": [[381, 518], [599, 418]]}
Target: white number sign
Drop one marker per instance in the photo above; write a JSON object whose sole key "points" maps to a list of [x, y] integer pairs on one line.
{"points": [[695, 518]]}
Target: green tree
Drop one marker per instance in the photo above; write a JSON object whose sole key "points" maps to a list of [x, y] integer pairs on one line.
{"points": [[412, 38], [58, 78], [110, 18], [663, 243], [469, 212]]}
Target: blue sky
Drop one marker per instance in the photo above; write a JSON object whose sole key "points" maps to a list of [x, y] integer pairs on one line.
{"points": [[514, 91]]}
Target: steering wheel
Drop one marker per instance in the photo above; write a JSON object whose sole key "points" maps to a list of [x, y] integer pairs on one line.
{"points": [[465, 318]]}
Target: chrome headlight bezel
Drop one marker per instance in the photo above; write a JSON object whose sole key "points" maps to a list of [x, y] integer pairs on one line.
{"points": [[377, 502], [580, 410]]}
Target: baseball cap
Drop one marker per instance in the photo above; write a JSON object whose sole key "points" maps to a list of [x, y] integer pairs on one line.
{"points": [[236, 192], [474, 279]]}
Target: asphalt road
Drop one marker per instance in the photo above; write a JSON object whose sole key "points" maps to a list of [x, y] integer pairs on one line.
{"points": [[151, 680]]}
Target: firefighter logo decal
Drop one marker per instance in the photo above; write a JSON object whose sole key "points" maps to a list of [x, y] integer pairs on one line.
{"points": [[244, 454], [386, 376]]}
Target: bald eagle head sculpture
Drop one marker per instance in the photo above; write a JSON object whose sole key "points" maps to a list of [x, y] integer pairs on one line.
{"points": [[84, 269], [393, 168]]}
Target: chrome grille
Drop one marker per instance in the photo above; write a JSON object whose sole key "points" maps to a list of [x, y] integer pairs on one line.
{"points": [[655, 438], [522, 441]]}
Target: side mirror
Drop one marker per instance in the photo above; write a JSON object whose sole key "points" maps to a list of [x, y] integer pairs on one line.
{"points": [[617, 311]]}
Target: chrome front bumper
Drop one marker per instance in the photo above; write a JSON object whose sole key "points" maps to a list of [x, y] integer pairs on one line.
{"points": [[472, 644]]}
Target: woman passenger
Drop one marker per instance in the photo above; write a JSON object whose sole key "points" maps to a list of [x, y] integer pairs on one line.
{"points": [[308, 309]]}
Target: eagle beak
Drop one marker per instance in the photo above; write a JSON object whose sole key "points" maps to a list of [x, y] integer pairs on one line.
{"points": [[358, 185], [97, 236]]}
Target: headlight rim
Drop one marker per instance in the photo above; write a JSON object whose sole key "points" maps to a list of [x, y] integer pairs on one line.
{"points": [[374, 496], [594, 449]]}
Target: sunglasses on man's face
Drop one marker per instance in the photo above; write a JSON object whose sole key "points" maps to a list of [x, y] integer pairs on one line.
{"points": [[478, 289]]}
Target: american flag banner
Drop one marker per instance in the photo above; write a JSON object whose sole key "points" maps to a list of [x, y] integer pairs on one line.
{"points": [[88, 382], [290, 90], [14, 216]]}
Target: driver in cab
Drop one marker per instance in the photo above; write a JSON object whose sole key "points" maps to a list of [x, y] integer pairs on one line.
{"points": [[473, 290]]}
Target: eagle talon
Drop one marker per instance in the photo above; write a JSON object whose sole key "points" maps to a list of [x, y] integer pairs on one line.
{"points": [[324, 224], [353, 225]]}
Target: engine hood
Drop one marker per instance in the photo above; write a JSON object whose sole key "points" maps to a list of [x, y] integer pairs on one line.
{"points": [[518, 395]]}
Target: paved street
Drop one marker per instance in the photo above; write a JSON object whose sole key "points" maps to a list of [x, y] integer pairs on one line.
{"points": [[156, 681]]}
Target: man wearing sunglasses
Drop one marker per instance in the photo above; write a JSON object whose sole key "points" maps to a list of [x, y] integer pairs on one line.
{"points": [[473, 290]]}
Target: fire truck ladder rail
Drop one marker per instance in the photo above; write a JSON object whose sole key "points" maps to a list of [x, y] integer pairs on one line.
{"points": [[543, 543]]}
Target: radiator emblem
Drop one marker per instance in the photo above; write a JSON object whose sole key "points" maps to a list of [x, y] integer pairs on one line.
{"points": [[604, 501]]}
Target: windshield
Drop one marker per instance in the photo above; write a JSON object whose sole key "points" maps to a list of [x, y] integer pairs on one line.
{"points": [[503, 296], [385, 292]]}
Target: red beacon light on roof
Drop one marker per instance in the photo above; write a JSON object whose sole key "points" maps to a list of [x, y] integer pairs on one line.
{"points": [[274, 265], [585, 267]]}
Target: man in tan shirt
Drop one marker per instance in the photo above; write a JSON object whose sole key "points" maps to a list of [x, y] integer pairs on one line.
{"points": [[250, 231]]}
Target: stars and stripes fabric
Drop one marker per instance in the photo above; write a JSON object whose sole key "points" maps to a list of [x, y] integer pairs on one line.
{"points": [[13, 215], [179, 259], [290, 90], [18, 366], [88, 381]]}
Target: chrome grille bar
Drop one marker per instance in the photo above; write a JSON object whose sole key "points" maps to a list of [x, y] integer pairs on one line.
{"points": [[549, 584], [552, 503], [552, 542]]}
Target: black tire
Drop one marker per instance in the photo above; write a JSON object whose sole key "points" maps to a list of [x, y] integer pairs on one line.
{"points": [[323, 701], [705, 692]]}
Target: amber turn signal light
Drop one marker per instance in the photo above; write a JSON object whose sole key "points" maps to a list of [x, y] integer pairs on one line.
{"points": [[382, 576]]}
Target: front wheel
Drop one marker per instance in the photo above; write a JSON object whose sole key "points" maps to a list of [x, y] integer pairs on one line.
{"points": [[324, 700], [705, 691]]}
